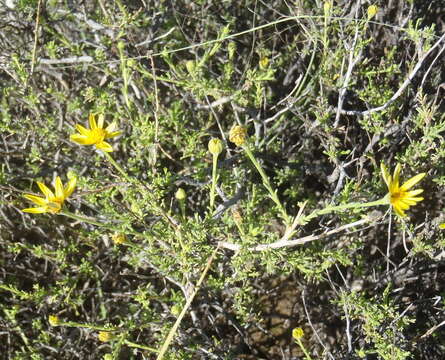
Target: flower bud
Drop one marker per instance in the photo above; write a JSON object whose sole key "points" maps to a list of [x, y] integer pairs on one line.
{"points": [[105, 336], [180, 194], [327, 7], [264, 63], [53, 320], [297, 333], [190, 66], [238, 134], [119, 238], [215, 146], [372, 11]]}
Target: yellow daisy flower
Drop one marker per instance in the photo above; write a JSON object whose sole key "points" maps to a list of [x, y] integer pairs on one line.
{"points": [[104, 336], [400, 197], [96, 134], [53, 201]]}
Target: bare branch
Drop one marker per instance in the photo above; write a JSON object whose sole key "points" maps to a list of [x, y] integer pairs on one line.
{"points": [[400, 90]]}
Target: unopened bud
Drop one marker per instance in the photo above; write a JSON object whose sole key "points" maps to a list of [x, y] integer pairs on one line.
{"points": [[119, 238], [372, 11], [215, 146], [190, 66], [297, 333], [264, 63], [180, 194], [105, 336], [53, 320]]}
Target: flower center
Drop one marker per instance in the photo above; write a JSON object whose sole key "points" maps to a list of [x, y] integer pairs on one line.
{"points": [[54, 206], [397, 196], [97, 135]]}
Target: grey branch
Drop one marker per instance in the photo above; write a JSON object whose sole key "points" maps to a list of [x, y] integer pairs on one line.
{"points": [[291, 243], [68, 60], [400, 90]]}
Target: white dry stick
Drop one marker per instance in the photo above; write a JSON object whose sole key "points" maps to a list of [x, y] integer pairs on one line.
{"points": [[312, 327], [67, 60], [352, 62], [284, 242]]}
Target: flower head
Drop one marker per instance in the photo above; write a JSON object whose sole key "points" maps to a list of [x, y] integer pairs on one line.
{"points": [[180, 194], [53, 320], [119, 238], [96, 134], [238, 134], [372, 11], [53, 201], [400, 197], [215, 146], [297, 333], [105, 336]]}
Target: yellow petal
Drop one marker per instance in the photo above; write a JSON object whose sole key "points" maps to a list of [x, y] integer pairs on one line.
{"points": [[408, 202], [82, 130], [92, 121], [69, 188], [112, 134], [401, 205], [394, 187], [35, 199], [44, 189], [80, 139], [399, 211], [110, 128], [411, 182], [100, 122], [58, 186], [414, 192], [385, 174], [395, 177], [39, 210], [416, 199], [104, 146]]}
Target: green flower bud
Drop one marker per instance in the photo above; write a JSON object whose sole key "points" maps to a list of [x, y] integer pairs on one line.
{"points": [[180, 194], [215, 146]]}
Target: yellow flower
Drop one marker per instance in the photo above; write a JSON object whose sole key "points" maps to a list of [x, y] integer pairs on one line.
{"points": [[104, 336], [238, 134], [400, 197], [297, 333], [53, 201], [119, 238], [96, 134], [264, 63], [372, 11], [53, 320]]}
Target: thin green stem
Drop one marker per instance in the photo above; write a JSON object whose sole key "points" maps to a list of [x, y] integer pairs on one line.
{"points": [[173, 330], [138, 346], [330, 209], [214, 179], [87, 326], [300, 343], [117, 167], [97, 223], [153, 203], [85, 219], [267, 185]]}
